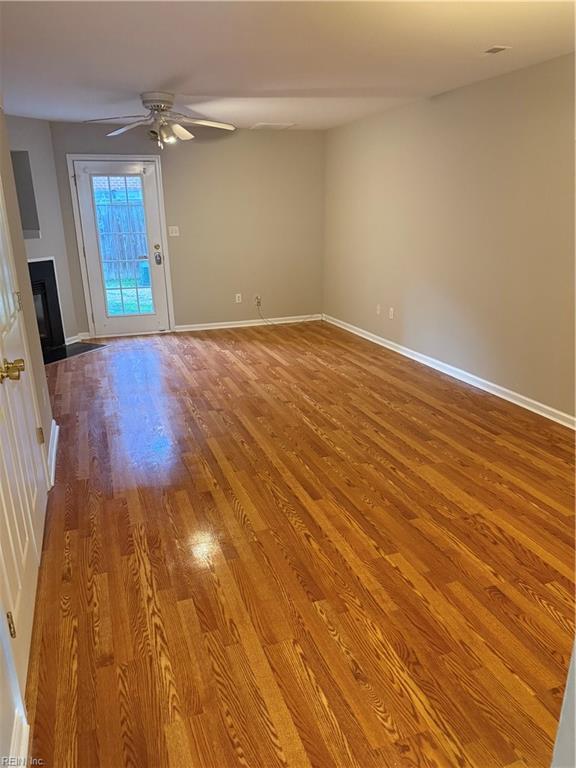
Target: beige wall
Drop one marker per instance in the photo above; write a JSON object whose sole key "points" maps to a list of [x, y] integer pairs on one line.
{"points": [[34, 137], [458, 212], [36, 362], [250, 212]]}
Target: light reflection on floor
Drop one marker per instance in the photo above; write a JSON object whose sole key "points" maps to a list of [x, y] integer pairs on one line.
{"points": [[203, 547], [145, 435]]}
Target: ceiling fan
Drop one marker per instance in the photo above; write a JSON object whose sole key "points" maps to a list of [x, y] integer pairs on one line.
{"points": [[166, 125]]}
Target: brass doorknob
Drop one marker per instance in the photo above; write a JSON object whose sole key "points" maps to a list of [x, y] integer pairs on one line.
{"points": [[11, 370]]}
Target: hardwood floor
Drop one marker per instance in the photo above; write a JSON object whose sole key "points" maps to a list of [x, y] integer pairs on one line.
{"points": [[286, 546]]}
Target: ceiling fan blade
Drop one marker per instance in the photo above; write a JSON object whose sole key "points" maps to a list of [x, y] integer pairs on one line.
{"points": [[181, 132], [128, 127], [212, 124], [208, 123], [116, 117]]}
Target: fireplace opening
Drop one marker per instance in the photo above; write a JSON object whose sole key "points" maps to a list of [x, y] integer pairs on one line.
{"points": [[47, 306], [48, 317]]}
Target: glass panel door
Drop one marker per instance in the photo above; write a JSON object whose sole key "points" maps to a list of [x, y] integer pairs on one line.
{"points": [[123, 244], [119, 203]]}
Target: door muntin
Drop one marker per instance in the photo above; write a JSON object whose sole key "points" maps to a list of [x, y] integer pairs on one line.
{"points": [[123, 244]]}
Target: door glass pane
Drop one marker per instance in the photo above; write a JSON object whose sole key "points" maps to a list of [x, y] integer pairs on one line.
{"points": [[123, 244]]}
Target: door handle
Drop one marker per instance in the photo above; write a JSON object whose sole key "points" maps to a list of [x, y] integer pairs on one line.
{"points": [[158, 257], [11, 370]]}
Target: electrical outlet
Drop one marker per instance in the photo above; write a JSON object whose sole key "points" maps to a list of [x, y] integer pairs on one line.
{"points": [[238, 298], [391, 313], [378, 309], [258, 301]]}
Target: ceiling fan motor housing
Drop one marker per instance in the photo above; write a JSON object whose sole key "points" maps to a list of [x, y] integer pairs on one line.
{"points": [[157, 101]]}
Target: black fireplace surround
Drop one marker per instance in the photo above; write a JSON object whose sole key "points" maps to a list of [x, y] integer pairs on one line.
{"points": [[45, 293]]}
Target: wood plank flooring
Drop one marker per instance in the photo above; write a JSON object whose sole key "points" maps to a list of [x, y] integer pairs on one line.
{"points": [[286, 546]]}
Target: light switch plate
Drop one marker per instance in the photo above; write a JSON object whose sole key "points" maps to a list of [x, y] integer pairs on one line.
{"points": [[174, 231]]}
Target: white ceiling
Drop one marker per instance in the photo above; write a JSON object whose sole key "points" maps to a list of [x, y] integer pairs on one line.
{"points": [[313, 64]]}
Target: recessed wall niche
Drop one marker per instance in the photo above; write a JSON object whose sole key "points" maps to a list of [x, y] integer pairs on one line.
{"points": [[25, 194]]}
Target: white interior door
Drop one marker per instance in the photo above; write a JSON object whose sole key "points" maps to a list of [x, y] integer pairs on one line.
{"points": [[119, 204], [23, 486]]}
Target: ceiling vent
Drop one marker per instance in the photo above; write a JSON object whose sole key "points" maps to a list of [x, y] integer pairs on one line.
{"points": [[497, 49], [272, 126]]}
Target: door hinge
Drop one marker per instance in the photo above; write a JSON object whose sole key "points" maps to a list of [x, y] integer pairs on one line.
{"points": [[11, 625], [40, 435], [18, 296]]}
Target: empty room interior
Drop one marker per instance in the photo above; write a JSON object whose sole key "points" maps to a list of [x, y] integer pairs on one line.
{"points": [[287, 349]]}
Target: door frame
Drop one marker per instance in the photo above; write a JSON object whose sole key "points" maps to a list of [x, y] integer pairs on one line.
{"points": [[70, 160]]}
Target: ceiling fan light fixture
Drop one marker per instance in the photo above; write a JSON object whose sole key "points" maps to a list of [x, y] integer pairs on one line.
{"points": [[154, 136], [182, 133], [166, 134]]}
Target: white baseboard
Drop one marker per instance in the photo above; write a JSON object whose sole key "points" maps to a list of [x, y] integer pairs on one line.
{"points": [[52, 451], [77, 338], [247, 323], [205, 327], [457, 373], [19, 740]]}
